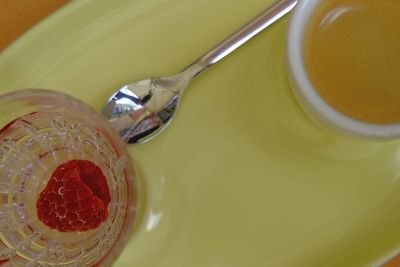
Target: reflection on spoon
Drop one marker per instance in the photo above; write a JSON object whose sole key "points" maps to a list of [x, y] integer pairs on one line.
{"points": [[141, 110]]}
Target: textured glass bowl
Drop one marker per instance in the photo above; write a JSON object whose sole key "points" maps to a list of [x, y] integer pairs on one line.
{"points": [[40, 130]]}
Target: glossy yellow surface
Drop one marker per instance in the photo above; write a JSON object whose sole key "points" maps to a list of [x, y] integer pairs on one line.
{"points": [[241, 177]]}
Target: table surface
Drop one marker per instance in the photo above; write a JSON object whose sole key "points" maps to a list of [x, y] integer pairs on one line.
{"points": [[18, 16]]}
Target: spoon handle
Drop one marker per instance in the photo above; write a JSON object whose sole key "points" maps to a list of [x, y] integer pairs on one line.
{"points": [[245, 33]]}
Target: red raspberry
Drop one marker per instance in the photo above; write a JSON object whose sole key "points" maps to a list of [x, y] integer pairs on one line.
{"points": [[75, 198]]}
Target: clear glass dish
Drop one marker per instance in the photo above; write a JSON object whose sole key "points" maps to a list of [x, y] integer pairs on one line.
{"points": [[40, 130]]}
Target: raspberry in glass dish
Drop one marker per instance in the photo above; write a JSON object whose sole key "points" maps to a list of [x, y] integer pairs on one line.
{"points": [[76, 198]]}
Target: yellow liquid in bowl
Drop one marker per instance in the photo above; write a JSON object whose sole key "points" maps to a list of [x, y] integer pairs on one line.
{"points": [[352, 56]]}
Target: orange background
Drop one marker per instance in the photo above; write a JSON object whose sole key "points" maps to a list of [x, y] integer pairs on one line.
{"points": [[17, 16]]}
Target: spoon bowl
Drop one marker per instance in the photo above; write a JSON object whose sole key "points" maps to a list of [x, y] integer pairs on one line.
{"points": [[141, 110]]}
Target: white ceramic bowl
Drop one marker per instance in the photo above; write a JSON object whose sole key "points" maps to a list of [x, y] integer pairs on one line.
{"points": [[316, 107]]}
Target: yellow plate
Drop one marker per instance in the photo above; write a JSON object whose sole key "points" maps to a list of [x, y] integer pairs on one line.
{"points": [[241, 177]]}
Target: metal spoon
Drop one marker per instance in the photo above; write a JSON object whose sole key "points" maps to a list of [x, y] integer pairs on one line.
{"points": [[141, 110]]}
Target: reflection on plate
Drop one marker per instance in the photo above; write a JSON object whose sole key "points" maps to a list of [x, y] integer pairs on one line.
{"points": [[241, 177]]}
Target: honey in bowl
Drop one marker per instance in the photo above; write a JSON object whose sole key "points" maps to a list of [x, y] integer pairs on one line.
{"points": [[352, 57]]}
